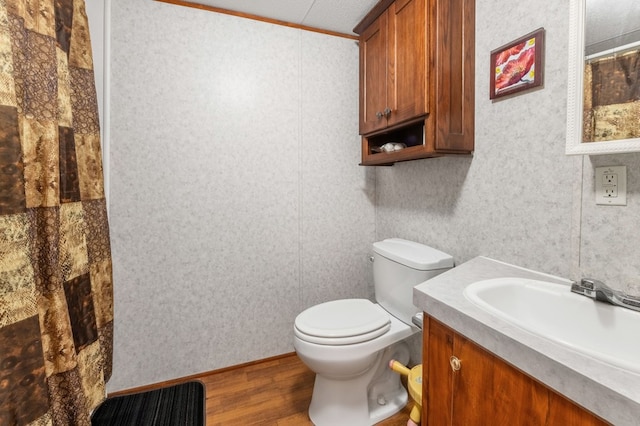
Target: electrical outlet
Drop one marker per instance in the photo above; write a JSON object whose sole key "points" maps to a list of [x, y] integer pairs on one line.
{"points": [[611, 185]]}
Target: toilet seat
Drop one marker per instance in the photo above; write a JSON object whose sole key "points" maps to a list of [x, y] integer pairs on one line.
{"points": [[342, 322]]}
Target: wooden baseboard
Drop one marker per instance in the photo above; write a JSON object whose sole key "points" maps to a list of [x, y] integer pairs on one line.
{"points": [[198, 376]]}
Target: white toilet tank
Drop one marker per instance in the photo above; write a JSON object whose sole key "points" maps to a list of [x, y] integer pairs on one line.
{"points": [[398, 266]]}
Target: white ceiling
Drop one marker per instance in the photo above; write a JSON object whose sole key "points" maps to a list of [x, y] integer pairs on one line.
{"points": [[333, 15]]}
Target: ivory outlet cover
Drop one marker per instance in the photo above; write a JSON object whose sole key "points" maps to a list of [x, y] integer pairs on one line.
{"points": [[611, 186]]}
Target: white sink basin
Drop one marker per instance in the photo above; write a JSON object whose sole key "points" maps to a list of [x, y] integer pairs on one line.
{"points": [[552, 311]]}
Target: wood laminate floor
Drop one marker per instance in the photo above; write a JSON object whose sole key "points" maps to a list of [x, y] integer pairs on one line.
{"points": [[275, 391]]}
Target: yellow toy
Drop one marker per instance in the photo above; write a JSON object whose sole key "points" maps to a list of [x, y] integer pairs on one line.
{"points": [[414, 383]]}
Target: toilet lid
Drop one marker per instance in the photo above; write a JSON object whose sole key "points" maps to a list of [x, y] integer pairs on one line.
{"points": [[342, 322]]}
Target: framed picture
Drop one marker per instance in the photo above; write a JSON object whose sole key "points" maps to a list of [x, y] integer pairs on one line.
{"points": [[517, 66]]}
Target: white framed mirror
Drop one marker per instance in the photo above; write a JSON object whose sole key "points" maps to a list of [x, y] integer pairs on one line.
{"points": [[603, 103]]}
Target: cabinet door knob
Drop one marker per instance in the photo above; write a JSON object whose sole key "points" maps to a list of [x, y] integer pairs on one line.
{"points": [[379, 115], [387, 112], [455, 363]]}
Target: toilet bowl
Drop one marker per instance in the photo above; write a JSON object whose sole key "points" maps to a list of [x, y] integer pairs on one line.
{"points": [[353, 385], [349, 343]]}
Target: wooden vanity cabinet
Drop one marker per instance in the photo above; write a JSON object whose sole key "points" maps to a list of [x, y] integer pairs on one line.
{"points": [[463, 384], [417, 61]]}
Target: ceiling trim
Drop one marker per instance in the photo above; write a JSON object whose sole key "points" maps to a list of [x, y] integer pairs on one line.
{"points": [[257, 18]]}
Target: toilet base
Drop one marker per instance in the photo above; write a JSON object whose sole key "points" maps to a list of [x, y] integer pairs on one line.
{"points": [[394, 403], [364, 400]]}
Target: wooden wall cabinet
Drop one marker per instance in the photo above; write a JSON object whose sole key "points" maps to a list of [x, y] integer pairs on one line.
{"points": [[394, 66], [417, 61], [485, 389]]}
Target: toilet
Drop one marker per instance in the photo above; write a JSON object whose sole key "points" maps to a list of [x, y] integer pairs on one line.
{"points": [[348, 343]]}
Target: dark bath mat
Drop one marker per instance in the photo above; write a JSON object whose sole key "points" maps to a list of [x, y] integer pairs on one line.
{"points": [[179, 405]]}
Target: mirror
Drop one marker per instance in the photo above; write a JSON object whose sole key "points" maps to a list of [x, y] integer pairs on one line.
{"points": [[603, 103]]}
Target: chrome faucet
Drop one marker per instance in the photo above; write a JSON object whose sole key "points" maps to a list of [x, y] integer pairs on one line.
{"points": [[599, 291]]}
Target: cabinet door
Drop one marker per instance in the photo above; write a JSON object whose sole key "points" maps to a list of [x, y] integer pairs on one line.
{"points": [[462, 396], [437, 390], [407, 78], [486, 390], [454, 57], [491, 389], [472, 385], [566, 413], [517, 398], [483, 391], [373, 76]]}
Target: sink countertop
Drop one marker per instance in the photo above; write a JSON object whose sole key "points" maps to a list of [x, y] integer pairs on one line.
{"points": [[607, 391]]}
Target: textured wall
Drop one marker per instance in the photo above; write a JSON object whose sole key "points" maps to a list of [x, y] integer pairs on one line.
{"points": [[513, 199], [520, 199], [236, 201], [609, 234]]}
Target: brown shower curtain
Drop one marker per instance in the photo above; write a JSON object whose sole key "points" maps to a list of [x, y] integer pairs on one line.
{"points": [[612, 97], [56, 296]]}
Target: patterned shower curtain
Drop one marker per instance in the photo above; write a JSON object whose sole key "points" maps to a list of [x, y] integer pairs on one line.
{"points": [[56, 296]]}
